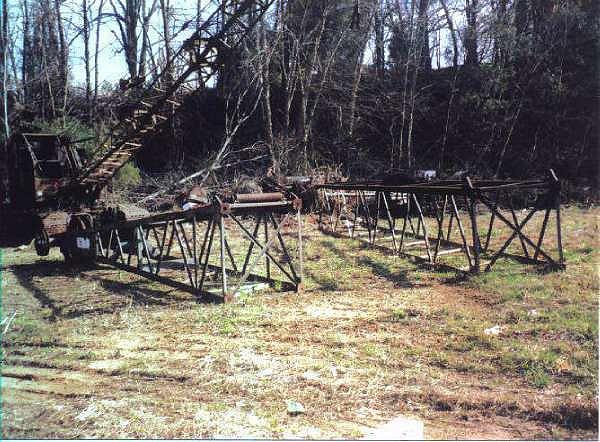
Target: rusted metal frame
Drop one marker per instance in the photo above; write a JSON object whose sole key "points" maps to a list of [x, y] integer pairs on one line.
{"points": [[418, 225], [542, 233], [277, 227], [343, 209], [361, 204], [222, 234], [438, 187], [515, 230], [422, 219], [203, 249], [186, 241], [390, 222], [195, 249], [405, 221], [330, 208], [322, 207], [475, 245], [130, 251], [171, 237], [555, 188], [251, 245], [120, 247], [162, 247], [258, 244], [516, 221], [263, 252], [367, 212], [108, 247], [450, 224], [212, 227], [488, 235], [355, 221], [472, 209], [471, 198], [230, 255], [300, 250], [352, 229], [145, 245], [266, 234], [561, 258], [153, 228], [461, 231], [336, 211], [99, 244], [184, 257], [440, 220], [376, 224]]}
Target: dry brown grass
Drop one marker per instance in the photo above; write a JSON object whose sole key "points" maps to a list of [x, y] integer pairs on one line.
{"points": [[102, 353]]}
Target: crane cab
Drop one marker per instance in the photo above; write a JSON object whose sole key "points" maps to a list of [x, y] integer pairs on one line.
{"points": [[32, 167]]}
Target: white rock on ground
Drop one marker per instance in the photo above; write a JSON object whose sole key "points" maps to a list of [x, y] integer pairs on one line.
{"points": [[400, 428]]}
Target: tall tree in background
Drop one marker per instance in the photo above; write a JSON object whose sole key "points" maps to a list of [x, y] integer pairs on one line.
{"points": [[63, 63], [379, 36], [85, 31], [4, 66], [166, 14], [471, 51], [133, 18], [99, 20]]}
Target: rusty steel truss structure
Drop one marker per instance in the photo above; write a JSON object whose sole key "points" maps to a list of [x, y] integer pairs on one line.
{"points": [[444, 217], [193, 251]]}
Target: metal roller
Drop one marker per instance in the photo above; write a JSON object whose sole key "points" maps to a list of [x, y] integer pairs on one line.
{"points": [[259, 197]]}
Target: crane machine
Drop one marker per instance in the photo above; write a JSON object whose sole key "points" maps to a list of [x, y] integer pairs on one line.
{"points": [[46, 190]]}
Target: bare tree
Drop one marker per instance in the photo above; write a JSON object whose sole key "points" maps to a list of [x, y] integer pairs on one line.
{"points": [[4, 65], [452, 30], [86, 57], [471, 51], [165, 8], [63, 67], [96, 53], [130, 16]]}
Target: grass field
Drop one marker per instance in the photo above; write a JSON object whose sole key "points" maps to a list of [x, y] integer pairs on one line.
{"points": [[103, 353]]}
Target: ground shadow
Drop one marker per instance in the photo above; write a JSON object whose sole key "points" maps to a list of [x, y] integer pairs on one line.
{"points": [[130, 293], [399, 279]]}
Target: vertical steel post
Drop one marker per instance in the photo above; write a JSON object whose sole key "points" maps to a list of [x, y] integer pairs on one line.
{"points": [[139, 248], [267, 261], [300, 257], [223, 272], [556, 188], [472, 204]]}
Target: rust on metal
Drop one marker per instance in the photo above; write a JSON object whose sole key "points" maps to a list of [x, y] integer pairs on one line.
{"points": [[362, 204], [258, 197]]}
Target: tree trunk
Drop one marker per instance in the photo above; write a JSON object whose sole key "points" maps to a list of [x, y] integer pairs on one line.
{"points": [[131, 42], [4, 66], [265, 80], [423, 36], [379, 44], [86, 57], [64, 58], [452, 30], [96, 53], [356, 83], [25, 59], [501, 33], [471, 51], [165, 8]]}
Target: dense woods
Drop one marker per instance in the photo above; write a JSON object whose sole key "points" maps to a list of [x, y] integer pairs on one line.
{"points": [[494, 87]]}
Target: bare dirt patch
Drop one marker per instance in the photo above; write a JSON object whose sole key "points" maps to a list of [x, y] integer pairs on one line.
{"points": [[100, 353]]}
